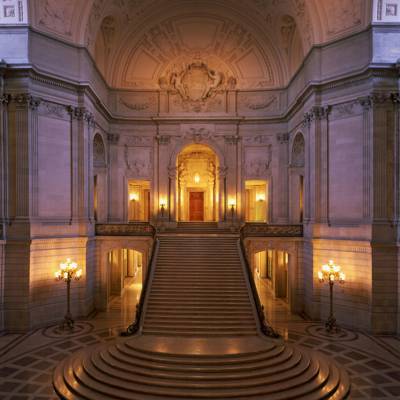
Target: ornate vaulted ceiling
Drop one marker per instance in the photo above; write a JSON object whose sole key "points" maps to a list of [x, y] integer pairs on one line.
{"points": [[252, 43]]}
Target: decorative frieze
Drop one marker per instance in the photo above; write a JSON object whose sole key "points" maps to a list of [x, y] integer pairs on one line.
{"points": [[283, 138], [113, 138], [232, 140], [137, 229], [53, 110], [163, 140], [138, 140], [267, 230], [256, 140]]}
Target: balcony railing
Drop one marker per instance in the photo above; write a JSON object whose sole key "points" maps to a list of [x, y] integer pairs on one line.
{"points": [[267, 230], [133, 229]]}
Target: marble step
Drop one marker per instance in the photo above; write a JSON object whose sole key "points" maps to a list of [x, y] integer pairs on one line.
{"points": [[124, 371]]}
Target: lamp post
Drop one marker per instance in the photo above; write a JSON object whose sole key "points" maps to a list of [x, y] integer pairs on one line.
{"points": [[68, 271], [232, 204], [331, 273]]}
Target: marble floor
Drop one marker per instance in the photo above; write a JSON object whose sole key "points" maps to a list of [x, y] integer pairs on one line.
{"points": [[27, 361]]}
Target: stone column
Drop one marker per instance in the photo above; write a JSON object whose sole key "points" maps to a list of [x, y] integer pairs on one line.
{"points": [[317, 159], [173, 203], [222, 172], [385, 285], [283, 140], [113, 189], [21, 139]]}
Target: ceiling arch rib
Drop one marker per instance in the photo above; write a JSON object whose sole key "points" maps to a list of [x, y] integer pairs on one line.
{"points": [[315, 21]]}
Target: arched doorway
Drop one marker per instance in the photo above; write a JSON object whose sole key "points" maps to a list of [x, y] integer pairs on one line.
{"points": [[197, 187], [125, 280]]}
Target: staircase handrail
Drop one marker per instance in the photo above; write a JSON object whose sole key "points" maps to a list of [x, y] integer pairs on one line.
{"points": [[266, 329], [134, 327]]}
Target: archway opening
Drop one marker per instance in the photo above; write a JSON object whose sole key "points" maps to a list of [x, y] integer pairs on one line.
{"points": [[138, 201], [197, 184], [125, 280]]}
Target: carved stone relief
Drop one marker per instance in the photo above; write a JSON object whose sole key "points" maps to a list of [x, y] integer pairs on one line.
{"points": [[138, 161], [298, 151], [57, 15], [288, 27], [254, 140], [344, 14], [346, 110], [138, 140], [53, 110], [258, 102], [258, 161], [138, 103], [99, 151]]}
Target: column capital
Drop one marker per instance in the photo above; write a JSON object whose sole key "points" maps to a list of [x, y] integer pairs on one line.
{"points": [[81, 114], [5, 98], [317, 113], [26, 99]]}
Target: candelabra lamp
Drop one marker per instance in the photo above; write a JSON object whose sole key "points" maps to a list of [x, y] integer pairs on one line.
{"points": [[68, 271], [331, 273]]}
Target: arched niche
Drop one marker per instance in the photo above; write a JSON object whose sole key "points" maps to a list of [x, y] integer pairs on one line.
{"points": [[99, 151], [298, 151]]}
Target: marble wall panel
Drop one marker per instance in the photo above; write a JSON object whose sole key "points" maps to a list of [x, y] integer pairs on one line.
{"points": [[346, 169], [54, 167]]}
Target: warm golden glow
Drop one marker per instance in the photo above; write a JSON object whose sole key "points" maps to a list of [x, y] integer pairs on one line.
{"points": [[256, 200], [68, 270], [331, 272], [232, 202], [197, 166], [260, 197], [134, 197]]}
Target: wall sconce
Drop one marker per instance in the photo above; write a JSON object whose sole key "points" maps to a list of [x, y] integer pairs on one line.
{"points": [[134, 197], [331, 273], [67, 272], [260, 197], [196, 178]]}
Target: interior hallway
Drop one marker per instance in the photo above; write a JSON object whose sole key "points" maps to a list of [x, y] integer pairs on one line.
{"points": [[27, 361]]}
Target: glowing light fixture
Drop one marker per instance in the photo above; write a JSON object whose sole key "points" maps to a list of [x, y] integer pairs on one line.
{"points": [[196, 178], [260, 197], [332, 273], [134, 197], [67, 272]]}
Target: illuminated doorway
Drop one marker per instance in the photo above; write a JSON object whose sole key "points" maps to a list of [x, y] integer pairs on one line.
{"points": [[138, 201], [256, 201], [125, 280], [197, 184]]}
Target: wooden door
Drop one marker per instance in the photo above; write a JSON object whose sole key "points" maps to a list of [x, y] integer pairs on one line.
{"points": [[196, 206]]}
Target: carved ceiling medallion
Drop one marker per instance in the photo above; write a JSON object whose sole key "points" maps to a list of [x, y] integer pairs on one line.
{"points": [[196, 82]]}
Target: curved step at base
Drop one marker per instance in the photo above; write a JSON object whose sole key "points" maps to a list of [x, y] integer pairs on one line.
{"points": [[154, 368]]}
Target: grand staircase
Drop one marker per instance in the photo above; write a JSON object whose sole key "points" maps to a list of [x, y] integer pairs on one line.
{"points": [[199, 289], [199, 338]]}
